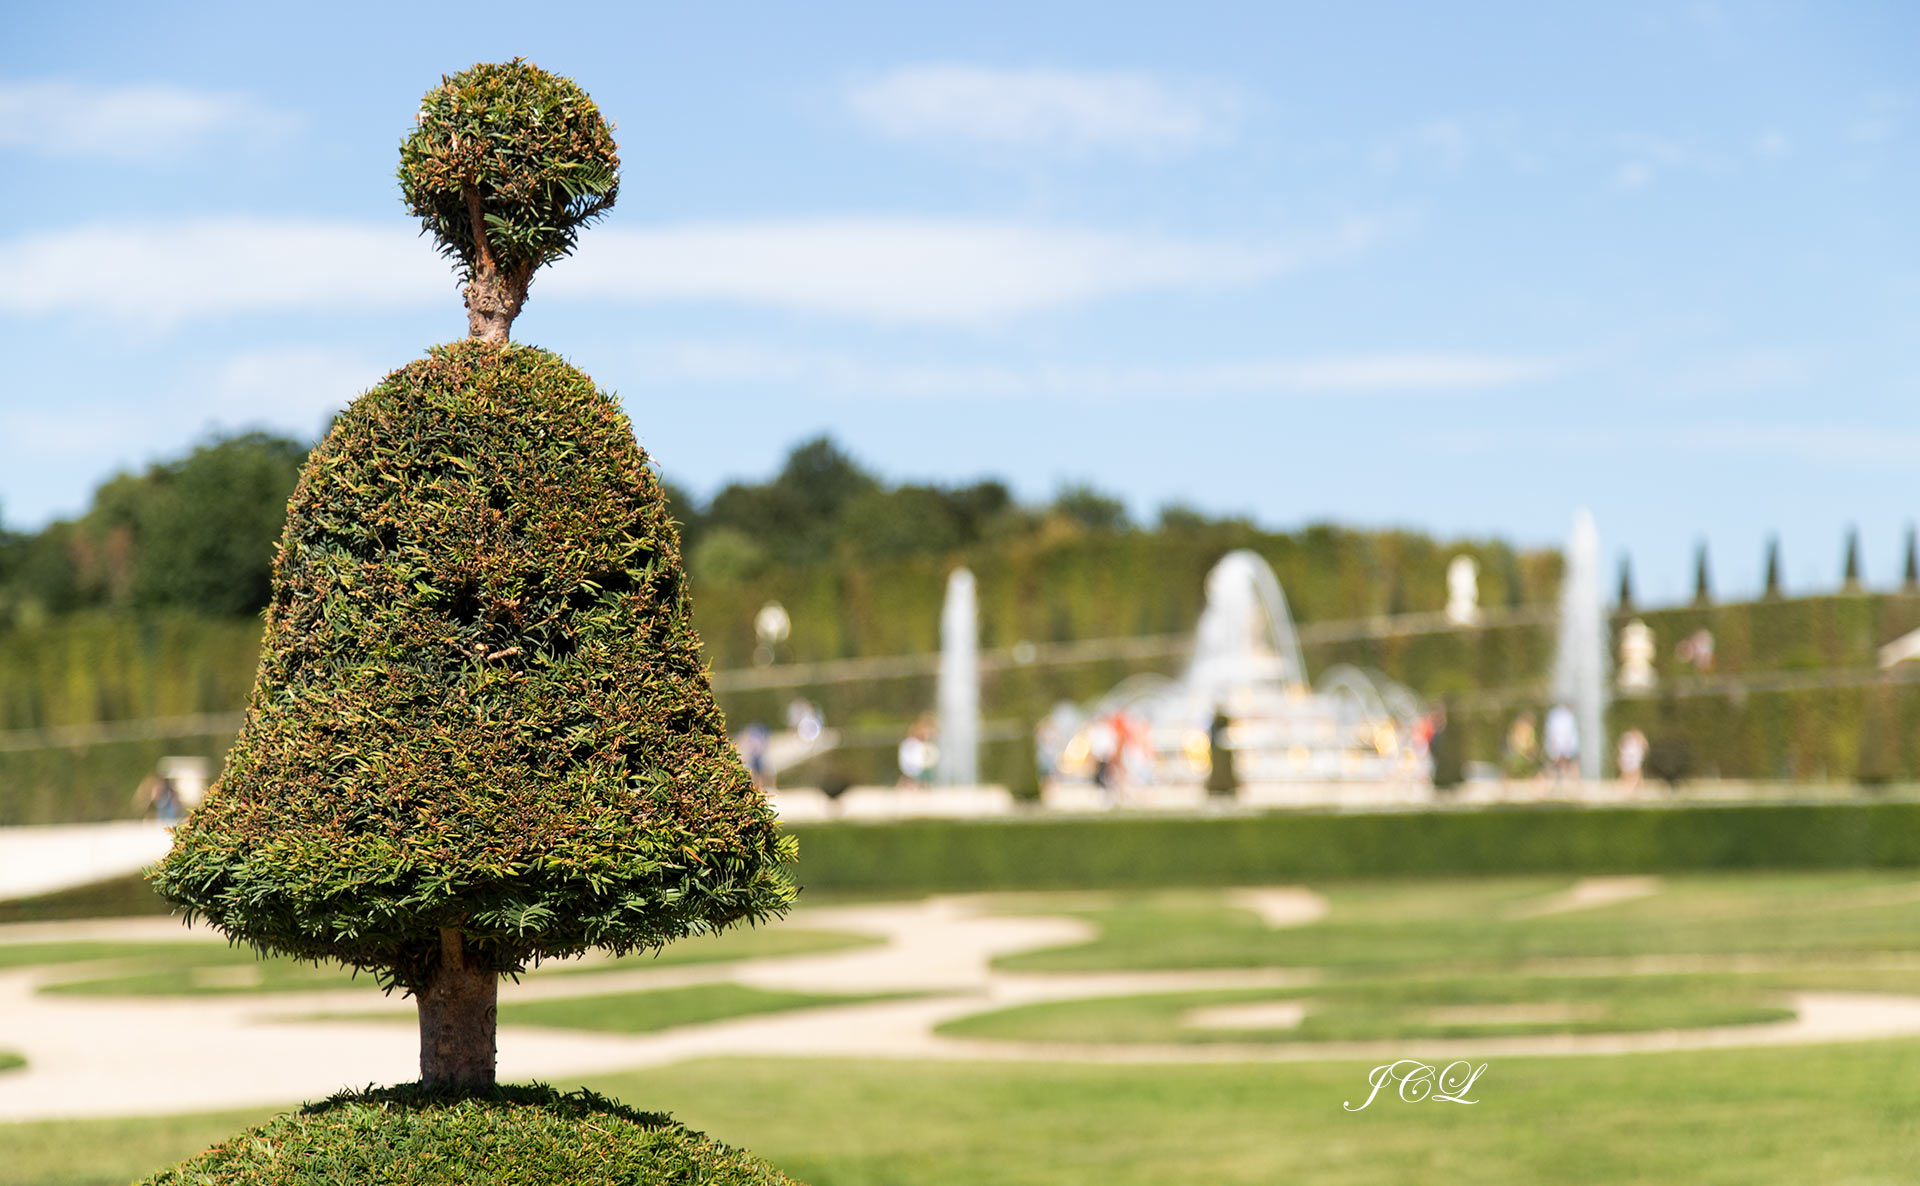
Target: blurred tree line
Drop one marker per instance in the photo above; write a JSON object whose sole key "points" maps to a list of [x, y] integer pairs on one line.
{"points": [[195, 533], [823, 505]]}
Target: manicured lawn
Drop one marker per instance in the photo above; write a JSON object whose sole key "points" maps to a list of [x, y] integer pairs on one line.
{"points": [[31, 955], [644, 1012], [740, 943], [201, 969], [1479, 925], [1417, 1008], [1822, 1114]]}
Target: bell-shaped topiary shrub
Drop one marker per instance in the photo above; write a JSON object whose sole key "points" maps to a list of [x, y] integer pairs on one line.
{"points": [[482, 732], [510, 1136]]}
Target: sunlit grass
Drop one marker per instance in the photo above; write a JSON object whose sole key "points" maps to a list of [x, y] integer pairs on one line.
{"points": [[212, 969], [1480, 924], [1788, 1116]]}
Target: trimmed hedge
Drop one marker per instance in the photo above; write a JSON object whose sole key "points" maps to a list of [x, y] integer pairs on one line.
{"points": [[510, 1136], [1125, 852]]}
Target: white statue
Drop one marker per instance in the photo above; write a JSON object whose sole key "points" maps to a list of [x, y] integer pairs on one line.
{"points": [[1636, 657], [1463, 591]]}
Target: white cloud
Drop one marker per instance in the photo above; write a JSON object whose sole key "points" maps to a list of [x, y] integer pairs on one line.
{"points": [[902, 270], [1389, 373], [124, 123], [1037, 108], [158, 274]]}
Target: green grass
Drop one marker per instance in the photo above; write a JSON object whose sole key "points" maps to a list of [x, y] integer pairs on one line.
{"points": [[739, 943], [1788, 1116], [116, 897], [1359, 1011], [658, 1009], [642, 1012], [1470, 925], [30, 955], [212, 969]]}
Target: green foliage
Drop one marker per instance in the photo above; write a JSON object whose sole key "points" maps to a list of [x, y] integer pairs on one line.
{"points": [[528, 149], [510, 1136], [481, 702], [1090, 509], [206, 525], [194, 533], [11, 1061], [1061, 853]]}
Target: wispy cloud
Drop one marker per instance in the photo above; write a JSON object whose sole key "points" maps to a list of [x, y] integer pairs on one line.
{"points": [[1387, 373], [1837, 445], [158, 274], [68, 119], [899, 270], [1038, 108]]}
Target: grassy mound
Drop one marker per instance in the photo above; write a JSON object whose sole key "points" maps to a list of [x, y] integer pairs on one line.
{"points": [[511, 1136]]}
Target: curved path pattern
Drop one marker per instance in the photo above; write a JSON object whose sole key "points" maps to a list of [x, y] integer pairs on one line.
{"points": [[97, 1056]]}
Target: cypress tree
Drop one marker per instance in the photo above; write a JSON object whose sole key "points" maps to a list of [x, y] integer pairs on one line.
{"points": [[482, 733], [1850, 570], [1772, 590], [1702, 587], [1910, 571], [1625, 595]]}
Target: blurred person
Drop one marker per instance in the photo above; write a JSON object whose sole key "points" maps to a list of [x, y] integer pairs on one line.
{"points": [[753, 744], [1562, 743], [159, 797], [1696, 650], [1521, 759], [1103, 746], [1632, 756], [805, 719], [919, 755]]}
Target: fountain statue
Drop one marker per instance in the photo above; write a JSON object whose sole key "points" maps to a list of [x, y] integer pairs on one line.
{"points": [[1637, 648], [959, 764], [1580, 661], [1244, 696], [1463, 591]]}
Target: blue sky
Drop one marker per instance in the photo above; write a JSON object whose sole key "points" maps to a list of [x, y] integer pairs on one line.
{"points": [[1461, 268]]}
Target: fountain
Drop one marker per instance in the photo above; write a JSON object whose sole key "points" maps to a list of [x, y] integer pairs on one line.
{"points": [[959, 764], [1580, 660], [1151, 740]]}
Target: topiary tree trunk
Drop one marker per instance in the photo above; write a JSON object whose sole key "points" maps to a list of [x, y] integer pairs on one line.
{"points": [[459, 1013]]}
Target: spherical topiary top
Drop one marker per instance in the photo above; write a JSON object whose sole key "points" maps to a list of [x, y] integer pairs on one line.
{"points": [[513, 1136], [481, 704], [528, 149]]}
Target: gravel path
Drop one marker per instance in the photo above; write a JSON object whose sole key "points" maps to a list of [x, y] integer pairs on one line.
{"points": [[151, 1055]]}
